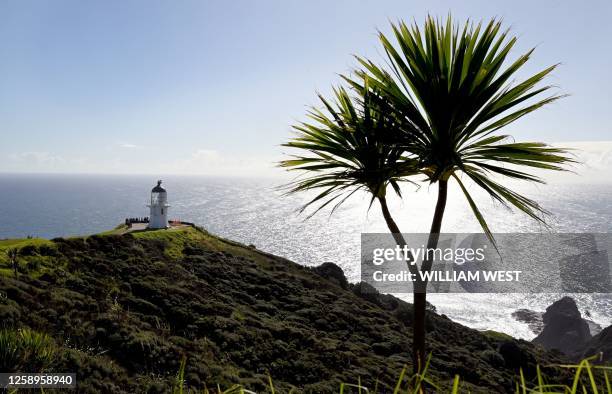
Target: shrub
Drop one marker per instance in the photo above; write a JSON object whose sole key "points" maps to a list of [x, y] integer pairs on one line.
{"points": [[25, 350]]}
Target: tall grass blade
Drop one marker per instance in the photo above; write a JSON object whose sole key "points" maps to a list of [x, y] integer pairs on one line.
{"points": [[179, 382], [359, 387], [271, 385], [398, 386], [456, 385], [523, 384]]}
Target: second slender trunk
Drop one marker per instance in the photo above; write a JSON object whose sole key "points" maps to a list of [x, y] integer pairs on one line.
{"points": [[397, 234], [420, 287], [395, 231]]}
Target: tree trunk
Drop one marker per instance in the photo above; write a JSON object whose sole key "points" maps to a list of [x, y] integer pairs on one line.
{"points": [[420, 286], [397, 234]]}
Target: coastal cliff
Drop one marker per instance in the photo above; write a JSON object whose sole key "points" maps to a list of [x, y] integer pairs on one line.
{"points": [[123, 311]]}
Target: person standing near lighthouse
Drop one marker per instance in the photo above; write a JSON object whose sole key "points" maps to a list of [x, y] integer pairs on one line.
{"points": [[158, 217]]}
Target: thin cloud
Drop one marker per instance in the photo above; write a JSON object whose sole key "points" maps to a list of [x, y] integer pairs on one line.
{"points": [[37, 158], [130, 146]]}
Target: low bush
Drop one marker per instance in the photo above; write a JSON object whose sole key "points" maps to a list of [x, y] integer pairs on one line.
{"points": [[25, 348]]}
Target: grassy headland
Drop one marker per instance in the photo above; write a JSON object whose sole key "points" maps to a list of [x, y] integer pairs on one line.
{"points": [[122, 311]]}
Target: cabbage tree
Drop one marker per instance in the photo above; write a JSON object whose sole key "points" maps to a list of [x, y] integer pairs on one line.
{"points": [[452, 91]]}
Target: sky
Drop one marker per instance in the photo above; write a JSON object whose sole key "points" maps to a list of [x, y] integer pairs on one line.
{"points": [[213, 87]]}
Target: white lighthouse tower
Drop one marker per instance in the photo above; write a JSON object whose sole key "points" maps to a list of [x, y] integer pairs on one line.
{"points": [[158, 217]]}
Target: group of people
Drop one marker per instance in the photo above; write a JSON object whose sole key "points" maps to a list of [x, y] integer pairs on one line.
{"points": [[130, 221]]}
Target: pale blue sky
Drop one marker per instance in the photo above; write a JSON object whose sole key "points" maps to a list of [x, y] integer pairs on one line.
{"points": [[213, 86]]}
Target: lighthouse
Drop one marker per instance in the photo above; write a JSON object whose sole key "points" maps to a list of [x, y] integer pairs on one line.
{"points": [[158, 217]]}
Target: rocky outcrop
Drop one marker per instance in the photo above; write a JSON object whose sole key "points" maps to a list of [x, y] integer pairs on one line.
{"points": [[535, 321], [332, 272], [532, 318], [600, 344], [564, 328]]}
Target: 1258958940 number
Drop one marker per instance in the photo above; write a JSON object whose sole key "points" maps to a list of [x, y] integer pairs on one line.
{"points": [[37, 380]]}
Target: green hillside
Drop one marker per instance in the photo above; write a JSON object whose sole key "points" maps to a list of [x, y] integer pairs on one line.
{"points": [[122, 311]]}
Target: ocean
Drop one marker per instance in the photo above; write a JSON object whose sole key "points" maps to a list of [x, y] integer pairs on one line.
{"points": [[255, 211]]}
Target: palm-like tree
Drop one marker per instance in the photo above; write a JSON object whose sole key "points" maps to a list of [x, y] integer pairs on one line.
{"points": [[348, 148], [449, 90]]}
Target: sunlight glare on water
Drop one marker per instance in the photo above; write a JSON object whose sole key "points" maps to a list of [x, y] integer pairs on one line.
{"points": [[254, 211]]}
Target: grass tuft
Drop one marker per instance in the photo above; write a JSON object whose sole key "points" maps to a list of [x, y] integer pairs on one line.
{"points": [[25, 348], [585, 381]]}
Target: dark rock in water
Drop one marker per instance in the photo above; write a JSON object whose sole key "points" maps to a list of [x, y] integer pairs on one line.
{"points": [[600, 344], [532, 318], [535, 321], [332, 272], [564, 327]]}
